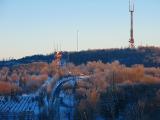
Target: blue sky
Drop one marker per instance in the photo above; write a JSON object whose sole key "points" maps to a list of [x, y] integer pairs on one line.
{"points": [[30, 27]]}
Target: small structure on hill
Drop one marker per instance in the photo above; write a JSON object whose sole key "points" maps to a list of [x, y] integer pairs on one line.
{"points": [[57, 58]]}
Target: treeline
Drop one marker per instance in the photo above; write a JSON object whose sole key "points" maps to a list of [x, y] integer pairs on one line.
{"points": [[148, 56], [23, 78], [124, 88], [114, 91], [28, 78]]}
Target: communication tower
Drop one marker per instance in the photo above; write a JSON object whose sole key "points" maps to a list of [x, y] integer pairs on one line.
{"points": [[131, 10]]}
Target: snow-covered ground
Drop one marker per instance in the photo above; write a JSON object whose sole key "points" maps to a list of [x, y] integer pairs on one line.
{"points": [[64, 103], [60, 102], [66, 106], [27, 104], [24, 104]]}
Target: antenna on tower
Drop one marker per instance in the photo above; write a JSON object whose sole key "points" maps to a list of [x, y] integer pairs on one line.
{"points": [[131, 10], [131, 5]]}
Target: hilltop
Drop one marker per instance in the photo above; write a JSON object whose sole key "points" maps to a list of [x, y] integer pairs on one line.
{"points": [[147, 56], [95, 90]]}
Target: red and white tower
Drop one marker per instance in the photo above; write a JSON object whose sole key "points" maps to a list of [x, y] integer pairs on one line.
{"points": [[131, 10]]}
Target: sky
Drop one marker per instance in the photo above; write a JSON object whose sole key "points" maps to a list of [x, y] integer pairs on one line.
{"points": [[29, 27]]}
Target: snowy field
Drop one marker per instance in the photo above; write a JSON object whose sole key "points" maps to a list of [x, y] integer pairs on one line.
{"points": [[25, 106]]}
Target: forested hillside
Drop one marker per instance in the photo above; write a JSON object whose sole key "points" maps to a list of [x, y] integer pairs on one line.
{"points": [[148, 56]]}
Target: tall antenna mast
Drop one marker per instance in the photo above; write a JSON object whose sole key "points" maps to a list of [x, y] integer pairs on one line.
{"points": [[131, 10], [57, 48], [60, 47], [77, 39], [54, 46]]}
